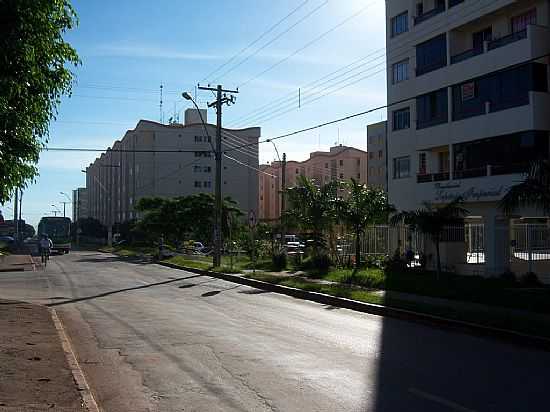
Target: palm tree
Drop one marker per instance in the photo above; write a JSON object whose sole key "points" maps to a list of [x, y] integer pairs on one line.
{"points": [[432, 220], [362, 206], [312, 208], [533, 191]]}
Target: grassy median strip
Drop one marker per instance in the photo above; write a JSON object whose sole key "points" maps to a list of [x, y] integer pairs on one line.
{"points": [[523, 323]]}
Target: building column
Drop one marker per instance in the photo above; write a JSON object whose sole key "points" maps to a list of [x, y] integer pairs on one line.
{"points": [[497, 243]]}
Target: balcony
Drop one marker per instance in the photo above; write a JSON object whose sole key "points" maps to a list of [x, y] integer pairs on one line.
{"points": [[453, 3], [503, 41], [432, 177], [492, 170], [468, 54], [429, 14]]}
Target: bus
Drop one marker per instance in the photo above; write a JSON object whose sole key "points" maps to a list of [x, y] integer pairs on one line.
{"points": [[58, 230]]}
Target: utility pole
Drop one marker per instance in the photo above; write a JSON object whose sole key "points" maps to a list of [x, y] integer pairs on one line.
{"points": [[221, 99], [283, 187], [15, 213], [20, 229], [64, 203]]}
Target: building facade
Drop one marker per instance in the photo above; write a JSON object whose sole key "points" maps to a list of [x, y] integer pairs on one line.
{"points": [[378, 159], [469, 107], [158, 160], [80, 204], [339, 163]]}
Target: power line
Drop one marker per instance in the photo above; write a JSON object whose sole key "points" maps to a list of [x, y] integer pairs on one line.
{"points": [[365, 112], [301, 20], [405, 47], [265, 33], [308, 44], [250, 167], [80, 149]]}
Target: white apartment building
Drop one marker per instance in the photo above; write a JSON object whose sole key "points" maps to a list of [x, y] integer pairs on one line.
{"points": [[159, 160], [469, 106]]}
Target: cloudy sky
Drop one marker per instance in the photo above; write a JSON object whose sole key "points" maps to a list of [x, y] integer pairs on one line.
{"points": [[333, 50]]}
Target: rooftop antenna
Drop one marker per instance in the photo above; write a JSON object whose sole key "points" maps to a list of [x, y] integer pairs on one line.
{"points": [[161, 117], [338, 136]]}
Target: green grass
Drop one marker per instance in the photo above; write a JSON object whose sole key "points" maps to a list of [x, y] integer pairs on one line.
{"points": [[200, 263], [519, 323], [129, 251]]}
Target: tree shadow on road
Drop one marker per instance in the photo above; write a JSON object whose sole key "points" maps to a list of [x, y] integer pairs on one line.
{"points": [[113, 292]]}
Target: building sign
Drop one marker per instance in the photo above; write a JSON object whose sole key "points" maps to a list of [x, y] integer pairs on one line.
{"points": [[448, 193], [468, 91]]}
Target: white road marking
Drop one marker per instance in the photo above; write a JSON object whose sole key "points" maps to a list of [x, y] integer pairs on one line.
{"points": [[438, 399]]}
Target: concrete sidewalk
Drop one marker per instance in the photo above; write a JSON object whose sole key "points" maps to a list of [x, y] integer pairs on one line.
{"points": [[20, 262], [34, 370]]}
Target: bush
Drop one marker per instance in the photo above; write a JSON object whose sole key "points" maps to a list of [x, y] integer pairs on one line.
{"points": [[530, 279], [321, 262], [375, 261], [279, 260], [395, 264], [508, 276]]}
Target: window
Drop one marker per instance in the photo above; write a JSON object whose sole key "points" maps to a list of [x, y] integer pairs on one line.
{"points": [[196, 169], [326, 165], [358, 175], [207, 169], [380, 154], [203, 154], [198, 184], [341, 175], [371, 155], [341, 163], [443, 160], [400, 71], [431, 109], [358, 162], [380, 173], [422, 163], [297, 171], [431, 55], [401, 167], [400, 24], [520, 23], [481, 36], [371, 171], [198, 139], [207, 184], [402, 119]]}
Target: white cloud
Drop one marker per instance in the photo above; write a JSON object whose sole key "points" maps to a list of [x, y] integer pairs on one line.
{"points": [[150, 52]]}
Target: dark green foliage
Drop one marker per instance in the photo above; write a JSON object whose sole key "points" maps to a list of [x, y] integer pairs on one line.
{"points": [[359, 207], [279, 261], [530, 279], [190, 217], [33, 78], [533, 191], [508, 277], [90, 227]]}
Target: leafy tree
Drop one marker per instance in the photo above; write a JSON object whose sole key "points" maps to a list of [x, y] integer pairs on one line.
{"points": [[432, 220], [533, 191], [312, 209], [362, 206], [90, 227], [33, 77], [184, 216]]}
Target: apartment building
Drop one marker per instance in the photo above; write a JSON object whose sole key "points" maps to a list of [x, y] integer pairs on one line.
{"points": [[378, 159], [339, 163], [80, 203], [171, 160], [469, 106]]}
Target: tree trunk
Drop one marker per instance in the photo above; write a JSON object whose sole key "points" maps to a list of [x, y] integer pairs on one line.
{"points": [[438, 256], [357, 251]]}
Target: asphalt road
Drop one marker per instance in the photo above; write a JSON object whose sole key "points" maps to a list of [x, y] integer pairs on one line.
{"points": [[151, 338]]}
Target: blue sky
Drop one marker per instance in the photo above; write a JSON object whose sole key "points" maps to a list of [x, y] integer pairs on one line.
{"points": [[128, 48]]}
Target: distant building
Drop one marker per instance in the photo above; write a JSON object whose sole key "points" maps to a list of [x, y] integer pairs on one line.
{"points": [[171, 160], [378, 159], [340, 163], [80, 203]]}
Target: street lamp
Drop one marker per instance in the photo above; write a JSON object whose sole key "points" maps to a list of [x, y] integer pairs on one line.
{"points": [[282, 183], [65, 203], [56, 211]]}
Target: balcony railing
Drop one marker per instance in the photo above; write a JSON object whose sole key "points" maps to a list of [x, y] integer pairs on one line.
{"points": [[468, 54], [429, 14], [511, 38], [469, 173], [434, 65], [432, 177], [453, 3], [508, 169]]}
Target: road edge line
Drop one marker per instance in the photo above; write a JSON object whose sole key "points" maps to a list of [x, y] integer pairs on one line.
{"points": [[78, 374], [380, 310]]}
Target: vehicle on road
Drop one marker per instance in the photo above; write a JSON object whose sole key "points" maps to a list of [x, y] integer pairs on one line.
{"points": [[58, 230]]}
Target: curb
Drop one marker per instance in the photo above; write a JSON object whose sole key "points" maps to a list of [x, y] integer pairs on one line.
{"points": [[380, 310], [78, 375]]}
